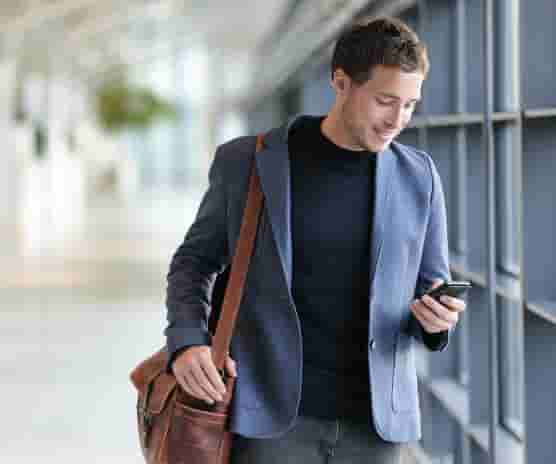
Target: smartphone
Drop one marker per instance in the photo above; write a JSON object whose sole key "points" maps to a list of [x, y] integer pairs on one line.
{"points": [[456, 289]]}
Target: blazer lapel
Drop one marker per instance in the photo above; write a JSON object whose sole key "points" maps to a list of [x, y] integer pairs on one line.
{"points": [[273, 166], [384, 170]]}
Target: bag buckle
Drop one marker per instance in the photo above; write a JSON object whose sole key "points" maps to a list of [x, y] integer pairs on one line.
{"points": [[145, 417], [147, 426]]}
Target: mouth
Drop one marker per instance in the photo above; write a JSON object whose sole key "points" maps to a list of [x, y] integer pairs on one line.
{"points": [[385, 136]]}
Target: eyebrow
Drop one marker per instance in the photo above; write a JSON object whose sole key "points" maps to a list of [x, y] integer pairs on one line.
{"points": [[388, 95]]}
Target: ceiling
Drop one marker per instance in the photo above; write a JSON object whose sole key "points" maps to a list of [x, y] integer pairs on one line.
{"points": [[95, 36]]}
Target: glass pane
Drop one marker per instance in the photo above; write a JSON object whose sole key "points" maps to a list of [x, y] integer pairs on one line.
{"points": [[511, 365]]}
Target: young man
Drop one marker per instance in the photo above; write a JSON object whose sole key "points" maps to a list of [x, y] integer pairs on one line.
{"points": [[352, 234]]}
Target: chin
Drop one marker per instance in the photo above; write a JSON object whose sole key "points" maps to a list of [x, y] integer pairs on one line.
{"points": [[378, 147]]}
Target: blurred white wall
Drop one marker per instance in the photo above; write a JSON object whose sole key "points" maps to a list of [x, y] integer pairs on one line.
{"points": [[9, 170]]}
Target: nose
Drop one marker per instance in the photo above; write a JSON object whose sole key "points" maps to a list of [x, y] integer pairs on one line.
{"points": [[395, 119]]}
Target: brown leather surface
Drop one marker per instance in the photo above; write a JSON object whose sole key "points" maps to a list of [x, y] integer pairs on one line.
{"points": [[148, 369], [155, 445], [174, 427], [240, 265], [197, 436]]}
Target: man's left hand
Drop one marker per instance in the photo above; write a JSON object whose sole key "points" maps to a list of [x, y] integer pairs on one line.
{"points": [[437, 316]]}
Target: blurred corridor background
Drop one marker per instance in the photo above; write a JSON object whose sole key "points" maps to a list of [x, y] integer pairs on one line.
{"points": [[111, 112]]}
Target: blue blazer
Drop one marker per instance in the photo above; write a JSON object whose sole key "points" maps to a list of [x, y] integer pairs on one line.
{"points": [[409, 250]]}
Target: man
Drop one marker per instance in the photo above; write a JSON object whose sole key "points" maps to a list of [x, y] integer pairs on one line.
{"points": [[354, 228]]}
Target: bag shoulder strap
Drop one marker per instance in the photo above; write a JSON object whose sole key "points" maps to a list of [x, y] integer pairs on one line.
{"points": [[240, 265]]}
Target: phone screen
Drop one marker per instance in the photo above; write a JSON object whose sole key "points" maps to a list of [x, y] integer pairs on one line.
{"points": [[453, 289]]}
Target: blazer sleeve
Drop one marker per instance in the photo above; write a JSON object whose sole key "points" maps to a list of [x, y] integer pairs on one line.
{"points": [[194, 266], [435, 260]]}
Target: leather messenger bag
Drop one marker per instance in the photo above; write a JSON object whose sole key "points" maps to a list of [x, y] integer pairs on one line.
{"points": [[174, 427]]}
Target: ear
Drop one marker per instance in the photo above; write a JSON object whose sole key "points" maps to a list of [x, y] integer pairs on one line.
{"points": [[340, 82]]}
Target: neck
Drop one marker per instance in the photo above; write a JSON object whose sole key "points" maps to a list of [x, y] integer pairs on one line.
{"points": [[333, 127]]}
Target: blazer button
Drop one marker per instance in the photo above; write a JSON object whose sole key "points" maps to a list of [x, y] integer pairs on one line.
{"points": [[372, 344]]}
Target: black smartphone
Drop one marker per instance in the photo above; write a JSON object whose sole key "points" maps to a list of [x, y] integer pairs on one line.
{"points": [[456, 289]]}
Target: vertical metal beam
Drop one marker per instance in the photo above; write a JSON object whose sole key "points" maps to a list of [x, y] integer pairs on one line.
{"points": [[509, 188], [459, 174], [488, 151], [507, 150], [423, 23], [460, 244], [519, 182]]}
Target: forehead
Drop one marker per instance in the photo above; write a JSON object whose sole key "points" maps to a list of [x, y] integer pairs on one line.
{"points": [[391, 80]]}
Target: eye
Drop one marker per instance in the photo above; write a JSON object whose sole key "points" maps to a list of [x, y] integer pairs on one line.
{"points": [[383, 102]]}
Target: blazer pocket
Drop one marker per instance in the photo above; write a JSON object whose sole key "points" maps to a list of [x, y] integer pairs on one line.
{"points": [[404, 382]]}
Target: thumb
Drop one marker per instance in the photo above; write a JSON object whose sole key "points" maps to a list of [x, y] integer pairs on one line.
{"points": [[436, 283], [231, 367]]}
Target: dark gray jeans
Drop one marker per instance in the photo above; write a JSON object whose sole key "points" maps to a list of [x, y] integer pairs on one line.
{"points": [[319, 441]]}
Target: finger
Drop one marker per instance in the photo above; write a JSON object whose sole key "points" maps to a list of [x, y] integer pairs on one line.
{"points": [[231, 367], [183, 383], [204, 383], [431, 318], [188, 387], [454, 304], [444, 322], [428, 326], [212, 374], [440, 310], [422, 321], [197, 390]]}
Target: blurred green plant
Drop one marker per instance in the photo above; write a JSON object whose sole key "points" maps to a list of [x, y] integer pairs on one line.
{"points": [[122, 106], [40, 140]]}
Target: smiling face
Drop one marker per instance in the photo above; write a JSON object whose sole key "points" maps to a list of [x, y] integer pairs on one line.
{"points": [[369, 116]]}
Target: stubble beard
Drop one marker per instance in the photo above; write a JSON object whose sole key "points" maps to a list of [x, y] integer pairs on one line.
{"points": [[356, 134]]}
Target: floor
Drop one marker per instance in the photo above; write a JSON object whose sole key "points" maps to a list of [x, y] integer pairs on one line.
{"points": [[75, 318]]}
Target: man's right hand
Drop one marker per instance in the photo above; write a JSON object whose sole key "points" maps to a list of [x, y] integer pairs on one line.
{"points": [[196, 373]]}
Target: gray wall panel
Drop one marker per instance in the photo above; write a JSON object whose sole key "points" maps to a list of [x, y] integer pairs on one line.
{"points": [[539, 171], [268, 114], [476, 203], [440, 441], [317, 94], [537, 52], [540, 378], [441, 147], [474, 56], [479, 369], [409, 137], [438, 90]]}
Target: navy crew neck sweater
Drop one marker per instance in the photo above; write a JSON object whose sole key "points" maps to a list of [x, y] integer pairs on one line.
{"points": [[332, 209]]}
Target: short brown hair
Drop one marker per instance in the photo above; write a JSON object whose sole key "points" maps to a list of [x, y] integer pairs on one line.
{"points": [[381, 41]]}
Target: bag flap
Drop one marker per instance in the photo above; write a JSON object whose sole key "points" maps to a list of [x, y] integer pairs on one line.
{"points": [[163, 387], [153, 371], [148, 370]]}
